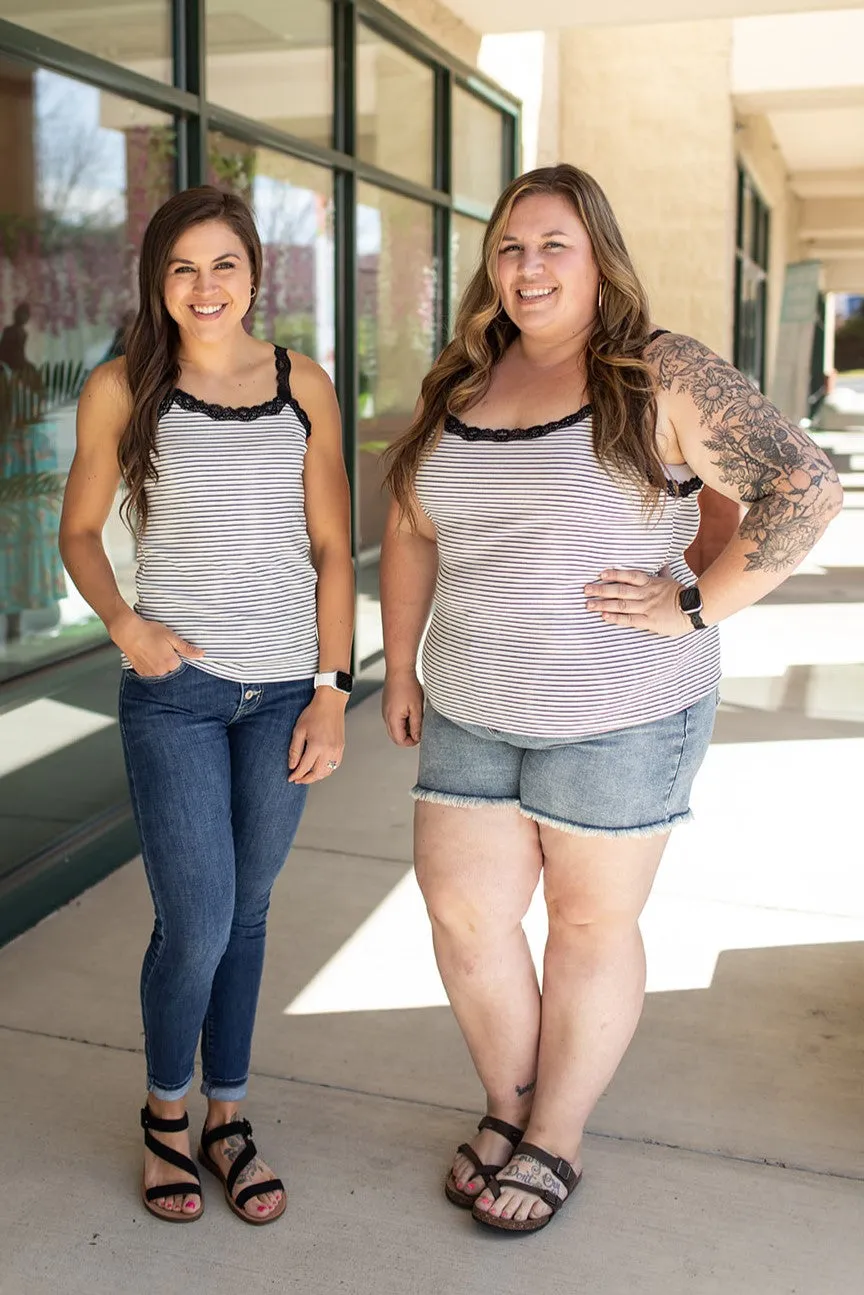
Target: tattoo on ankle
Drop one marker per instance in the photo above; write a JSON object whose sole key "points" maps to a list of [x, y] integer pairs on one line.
{"points": [[529, 1088]]}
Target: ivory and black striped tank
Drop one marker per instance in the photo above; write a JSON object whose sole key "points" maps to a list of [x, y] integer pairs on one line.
{"points": [[224, 560], [525, 519]]}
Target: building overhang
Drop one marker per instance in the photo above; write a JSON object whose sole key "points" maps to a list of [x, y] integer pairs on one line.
{"points": [[488, 16]]}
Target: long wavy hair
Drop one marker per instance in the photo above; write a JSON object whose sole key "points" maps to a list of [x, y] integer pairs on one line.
{"points": [[153, 344], [620, 385]]}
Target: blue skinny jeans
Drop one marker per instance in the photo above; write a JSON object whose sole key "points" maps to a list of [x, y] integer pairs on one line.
{"points": [[207, 761]]}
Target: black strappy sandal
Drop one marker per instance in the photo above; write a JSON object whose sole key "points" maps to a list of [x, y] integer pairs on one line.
{"points": [[563, 1171], [246, 1156], [464, 1200], [150, 1195]]}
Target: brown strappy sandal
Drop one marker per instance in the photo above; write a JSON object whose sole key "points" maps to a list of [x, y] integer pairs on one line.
{"points": [[150, 1195], [563, 1171], [246, 1156], [464, 1200]]}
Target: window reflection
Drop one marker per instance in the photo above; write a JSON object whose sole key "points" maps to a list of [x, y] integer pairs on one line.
{"points": [[136, 33], [293, 205], [395, 108], [396, 331], [478, 149], [87, 172], [466, 249], [274, 63]]}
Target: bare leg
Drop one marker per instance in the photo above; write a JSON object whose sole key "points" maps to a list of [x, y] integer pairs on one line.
{"points": [[477, 869], [593, 990]]}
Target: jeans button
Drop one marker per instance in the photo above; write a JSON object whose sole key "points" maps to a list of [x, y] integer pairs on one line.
{"points": [[249, 694]]}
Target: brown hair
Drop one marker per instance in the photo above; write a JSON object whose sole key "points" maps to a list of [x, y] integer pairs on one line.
{"points": [[621, 389], [153, 344]]}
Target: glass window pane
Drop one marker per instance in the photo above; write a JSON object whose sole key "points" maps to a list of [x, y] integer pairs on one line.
{"points": [[478, 148], [85, 171], [396, 343], [293, 205], [272, 60], [466, 248], [395, 108], [135, 33]]}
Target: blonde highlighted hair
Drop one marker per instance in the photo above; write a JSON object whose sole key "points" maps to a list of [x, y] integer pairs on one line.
{"points": [[620, 384]]}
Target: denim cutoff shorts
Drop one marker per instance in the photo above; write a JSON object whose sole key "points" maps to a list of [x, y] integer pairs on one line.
{"points": [[630, 782]]}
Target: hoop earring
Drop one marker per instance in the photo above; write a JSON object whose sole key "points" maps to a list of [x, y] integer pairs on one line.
{"points": [[600, 298], [252, 293]]}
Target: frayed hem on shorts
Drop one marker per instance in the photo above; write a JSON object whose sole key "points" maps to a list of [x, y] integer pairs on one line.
{"points": [[462, 802], [577, 829]]}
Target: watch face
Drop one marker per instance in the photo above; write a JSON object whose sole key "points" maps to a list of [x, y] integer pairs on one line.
{"points": [[344, 681], [690, 599]]}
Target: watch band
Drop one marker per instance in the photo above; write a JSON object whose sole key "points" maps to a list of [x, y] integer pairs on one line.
{"points": [[341, 680], [690, 602]]}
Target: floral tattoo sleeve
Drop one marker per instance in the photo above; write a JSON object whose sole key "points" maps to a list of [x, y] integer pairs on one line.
{"points": [[772, 465]]}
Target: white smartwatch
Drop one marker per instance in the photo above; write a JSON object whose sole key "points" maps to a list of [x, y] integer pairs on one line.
{"points": [[341, 680]]}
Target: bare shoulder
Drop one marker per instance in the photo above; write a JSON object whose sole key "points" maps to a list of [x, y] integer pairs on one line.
{"points": [[105, 403], [309, 380], [108, 384], [676, 359]]}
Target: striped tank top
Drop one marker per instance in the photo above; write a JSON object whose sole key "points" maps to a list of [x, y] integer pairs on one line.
{"points": [[225, 557], [525, 519]]}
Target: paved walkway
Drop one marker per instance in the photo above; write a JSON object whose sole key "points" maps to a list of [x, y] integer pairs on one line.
{"points": [[727, 1157]]}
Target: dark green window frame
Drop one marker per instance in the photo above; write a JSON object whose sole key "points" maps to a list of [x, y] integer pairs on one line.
{"points": [[752, 258], [195, 117]]}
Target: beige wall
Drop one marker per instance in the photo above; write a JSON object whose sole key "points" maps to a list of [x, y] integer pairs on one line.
{"points": [[647, 110], [440, 24]]}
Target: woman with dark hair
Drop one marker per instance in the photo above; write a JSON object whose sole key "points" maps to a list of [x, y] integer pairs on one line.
{"points": [[235, 656], [544, 496]]}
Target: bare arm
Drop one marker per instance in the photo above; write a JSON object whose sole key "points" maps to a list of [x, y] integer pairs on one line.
{"points": [[103, 413], [319, 735], [409, 568], [744, 448]]}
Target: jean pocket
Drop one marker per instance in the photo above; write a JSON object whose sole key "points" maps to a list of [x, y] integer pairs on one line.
{"points": [[160, 678]]}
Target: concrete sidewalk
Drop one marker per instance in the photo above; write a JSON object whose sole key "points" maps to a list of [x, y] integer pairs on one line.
{"points": [[727, 1157]]}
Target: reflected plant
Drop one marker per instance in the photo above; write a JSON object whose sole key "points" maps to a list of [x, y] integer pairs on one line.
{"points": [[26, 398], [232, 168]]}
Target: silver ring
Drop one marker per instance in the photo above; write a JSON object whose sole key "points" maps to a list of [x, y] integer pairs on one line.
{"points": [[332, 764]]}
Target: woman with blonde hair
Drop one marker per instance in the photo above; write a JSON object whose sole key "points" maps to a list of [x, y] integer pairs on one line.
{"points": [[544, 496]]}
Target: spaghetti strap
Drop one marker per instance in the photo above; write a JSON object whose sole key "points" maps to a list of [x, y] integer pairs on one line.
{"points": [[283, 386]]}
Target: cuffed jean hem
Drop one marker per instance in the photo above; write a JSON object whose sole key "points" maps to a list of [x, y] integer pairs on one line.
{"points": [[462, 802], [169, 1094], [224, 1092], [579, 829]]}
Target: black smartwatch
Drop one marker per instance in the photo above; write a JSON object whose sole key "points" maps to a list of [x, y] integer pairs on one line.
{"points": [[690, 602], [341, 680]]}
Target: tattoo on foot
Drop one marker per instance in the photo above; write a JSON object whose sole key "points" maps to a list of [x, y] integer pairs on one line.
{"points": [[773, 465], [529, 1088]]}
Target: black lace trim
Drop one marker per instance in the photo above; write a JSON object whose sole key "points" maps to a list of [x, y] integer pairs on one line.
{"points": [[247, 413], [455, 425], [681, 489], [458, 428]]}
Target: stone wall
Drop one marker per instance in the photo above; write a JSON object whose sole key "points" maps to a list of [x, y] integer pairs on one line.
{"points": [[648, 111]]}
